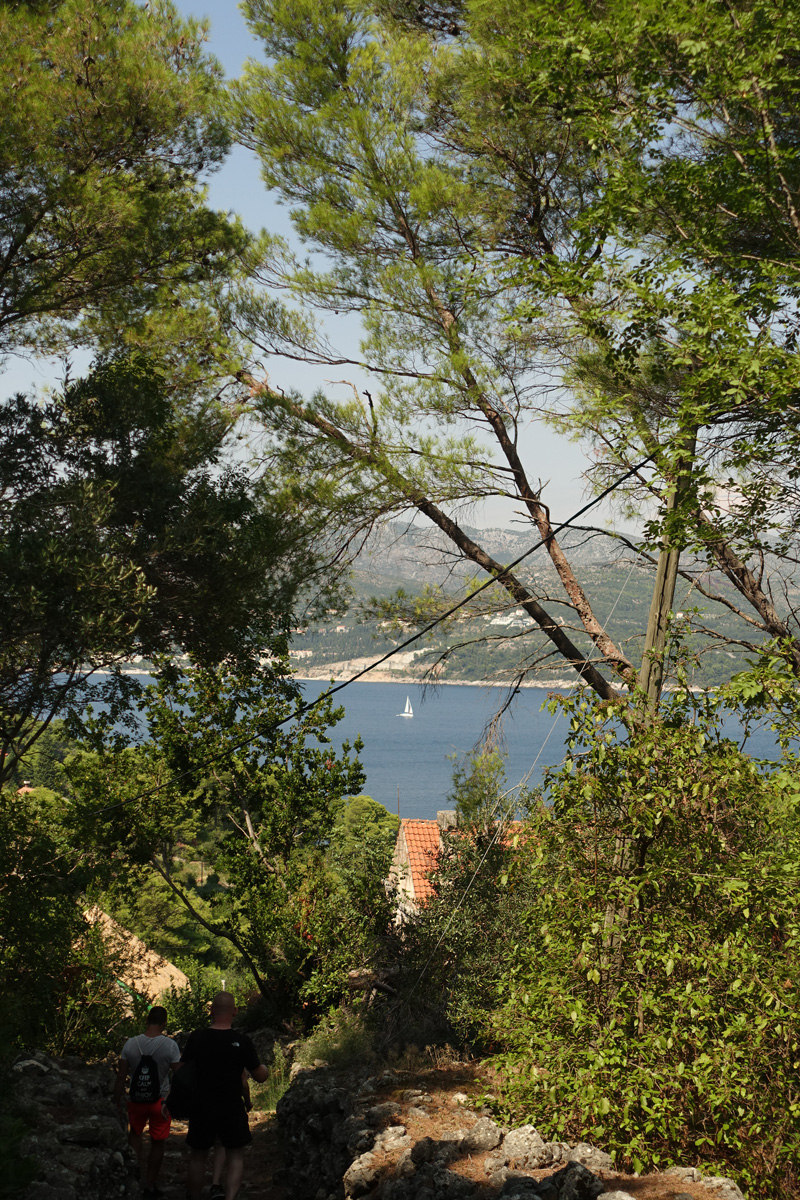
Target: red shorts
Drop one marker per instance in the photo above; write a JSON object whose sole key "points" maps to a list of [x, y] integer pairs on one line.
{"points": [[140, 1114]]}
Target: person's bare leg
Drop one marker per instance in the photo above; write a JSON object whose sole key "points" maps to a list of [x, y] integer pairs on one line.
{"points": [[219, 1163], [234, 1172], [135, 1143], [154, 1160], [196, 1174]]}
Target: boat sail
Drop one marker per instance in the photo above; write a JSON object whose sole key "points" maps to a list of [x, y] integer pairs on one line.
{"points": [[408, 710]]}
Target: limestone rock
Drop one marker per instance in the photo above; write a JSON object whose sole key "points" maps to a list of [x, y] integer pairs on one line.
{"points": [[83, 1155], [721, 1188], [485, 1134], [520, 1187], [594, 1159], [382, 1112], [360, 1176], [573, 1182], [398, 1189], [393, 1138], [29, 1066], [405, 1165], [523, 1146]]}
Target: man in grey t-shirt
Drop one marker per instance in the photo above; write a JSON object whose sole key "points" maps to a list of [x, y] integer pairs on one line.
{"points": [[165, 1055]]}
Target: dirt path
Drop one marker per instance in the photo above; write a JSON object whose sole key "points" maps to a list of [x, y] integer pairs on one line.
{"points": [[445, 1114], [262, 1159]]}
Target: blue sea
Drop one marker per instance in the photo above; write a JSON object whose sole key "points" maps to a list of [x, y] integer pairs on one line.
{"points": [[409, 761]]}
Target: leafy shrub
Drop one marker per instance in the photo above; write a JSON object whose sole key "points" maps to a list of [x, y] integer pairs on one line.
{"points": [[342, 1039], [58, 979], [265, 1096], [652, 1000], [457, 947]]}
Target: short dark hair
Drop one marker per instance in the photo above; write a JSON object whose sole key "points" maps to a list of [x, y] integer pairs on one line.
{"points": [[157, 1016]]}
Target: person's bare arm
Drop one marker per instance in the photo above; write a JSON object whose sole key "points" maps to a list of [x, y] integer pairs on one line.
{"points": [[260, 1073]]}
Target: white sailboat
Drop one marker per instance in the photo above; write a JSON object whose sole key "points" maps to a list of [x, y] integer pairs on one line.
{"points": [[408, 710]]}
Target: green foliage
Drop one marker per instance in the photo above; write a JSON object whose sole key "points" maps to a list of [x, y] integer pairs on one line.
{"points": [[123, 534], [341, 1039], [43, 766], [113, 120], [344, 907], [651, 1000], [40, 906], [92, 1008], [144, 903], [265, 1096], [480, 794], [362, 819], [188, 1008], [456, 948], [233, 776], [342, 118], [58, 979], [605, 200]]}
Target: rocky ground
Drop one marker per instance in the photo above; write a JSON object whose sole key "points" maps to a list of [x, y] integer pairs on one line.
{"points": [[395, 1135], [403, 1135]]}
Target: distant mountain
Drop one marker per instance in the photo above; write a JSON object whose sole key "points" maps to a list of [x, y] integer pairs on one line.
{"points": [[412, 554]]}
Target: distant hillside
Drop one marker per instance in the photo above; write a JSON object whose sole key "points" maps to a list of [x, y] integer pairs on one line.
{"points": [[493, 642], [409, 553]]}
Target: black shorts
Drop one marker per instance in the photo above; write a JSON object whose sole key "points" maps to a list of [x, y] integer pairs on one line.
{"points": [[226, 1121]]}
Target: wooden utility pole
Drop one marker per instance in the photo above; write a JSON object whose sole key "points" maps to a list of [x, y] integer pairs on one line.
{"points": [[650, 680], [651, 674]]}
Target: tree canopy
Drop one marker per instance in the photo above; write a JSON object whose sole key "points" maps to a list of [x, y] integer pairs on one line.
{"points": [[509, 207], [125, 533], [111, 122]]}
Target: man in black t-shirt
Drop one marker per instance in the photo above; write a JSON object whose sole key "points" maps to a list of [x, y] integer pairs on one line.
{"points": [[220, 1054]]}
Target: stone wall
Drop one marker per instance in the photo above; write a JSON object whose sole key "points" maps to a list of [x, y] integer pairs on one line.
{"points": [[347, 1136], [76, 1138]]}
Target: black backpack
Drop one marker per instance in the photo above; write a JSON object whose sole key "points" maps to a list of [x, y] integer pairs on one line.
{"points": [[145, 1083], [182, 1098]]}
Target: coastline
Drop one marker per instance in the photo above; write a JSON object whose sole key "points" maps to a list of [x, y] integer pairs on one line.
{"points": [[343, 673]]}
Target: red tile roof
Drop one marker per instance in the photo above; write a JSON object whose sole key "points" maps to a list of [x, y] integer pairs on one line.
{"points": [[422, 845]]}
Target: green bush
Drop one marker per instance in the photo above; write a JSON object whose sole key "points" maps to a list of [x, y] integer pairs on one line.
{"points": [[265, 1096], [58, 980], [456, 949], [652, 1000], [342, 1039]]}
